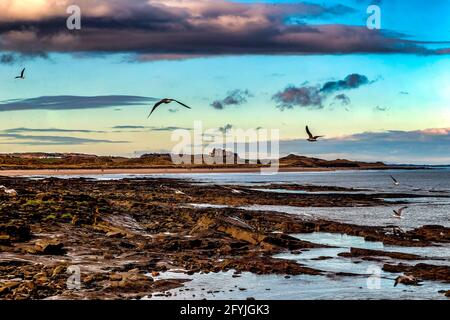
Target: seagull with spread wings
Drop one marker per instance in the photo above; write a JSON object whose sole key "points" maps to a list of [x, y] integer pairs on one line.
{"points": [[398, 213], [312, 138], [166, 101], [395, 181], [406, 280], [22, 74]]}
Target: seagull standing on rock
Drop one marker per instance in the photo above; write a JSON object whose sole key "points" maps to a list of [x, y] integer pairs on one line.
{"points": [[166, 101]]}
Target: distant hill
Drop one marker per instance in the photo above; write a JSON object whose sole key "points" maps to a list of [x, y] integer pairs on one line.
{"points": [[158, 160], [293, 160]]}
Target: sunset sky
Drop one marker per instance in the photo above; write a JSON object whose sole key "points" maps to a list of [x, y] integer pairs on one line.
{"points": [[375, 94]]}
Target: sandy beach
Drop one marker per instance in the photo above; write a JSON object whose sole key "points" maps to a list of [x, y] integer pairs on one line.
{"points": [[15, 173], [62, 172]]}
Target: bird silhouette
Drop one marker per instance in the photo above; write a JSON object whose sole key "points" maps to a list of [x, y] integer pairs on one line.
{"points": [[395, 181], [398, 213], [22, 74], [166, 101], [312, 138], [406, 280]]}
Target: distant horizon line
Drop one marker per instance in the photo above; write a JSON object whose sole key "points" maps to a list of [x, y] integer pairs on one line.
{"points": [[169, 153]]}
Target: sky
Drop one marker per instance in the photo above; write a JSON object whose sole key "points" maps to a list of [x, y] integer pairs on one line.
{"points": [[375, 94]]}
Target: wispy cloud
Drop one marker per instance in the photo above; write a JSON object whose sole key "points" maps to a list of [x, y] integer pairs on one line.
{"points": [[10, 58], [136, 128], [381, 108], [343, 99], [50, 130], [226, 128], [19, 139], [73, 102], [233, 98]]}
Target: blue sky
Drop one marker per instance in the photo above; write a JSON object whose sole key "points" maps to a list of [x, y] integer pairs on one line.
{"points": [[237, 50]]}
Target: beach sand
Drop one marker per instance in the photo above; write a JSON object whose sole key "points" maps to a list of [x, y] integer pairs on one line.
{"points": [[45, 172]]}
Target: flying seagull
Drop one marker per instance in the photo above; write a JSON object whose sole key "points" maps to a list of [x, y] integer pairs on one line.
{"points": [[22, 74], [406, 280], [395, 181], [166, 101], [312, 138], [398, 213]]}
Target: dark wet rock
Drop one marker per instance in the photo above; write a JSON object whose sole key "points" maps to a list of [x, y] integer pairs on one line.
{"points": [[422, 271], [357, 252], [49, 247], [14, 232], [8, 287], [115, 234], [322, 258], [431, 233]]}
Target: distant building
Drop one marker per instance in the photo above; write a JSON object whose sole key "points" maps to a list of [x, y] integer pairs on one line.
{"points": [[222, 154]]}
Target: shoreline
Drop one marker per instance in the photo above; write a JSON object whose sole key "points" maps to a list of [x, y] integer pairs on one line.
{"points": [[67, 172]]}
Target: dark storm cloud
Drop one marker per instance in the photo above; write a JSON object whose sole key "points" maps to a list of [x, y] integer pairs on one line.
{"points": [[314, 96], [160, 30], [72, 102], [235, 97]]}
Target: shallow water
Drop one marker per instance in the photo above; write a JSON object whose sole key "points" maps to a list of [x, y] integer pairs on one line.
{"points": [[428, 210], [415, 216], [302, 287], [368, 282]]}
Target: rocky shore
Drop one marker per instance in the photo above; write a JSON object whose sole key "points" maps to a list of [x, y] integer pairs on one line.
{"points": [[120, 234]]}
